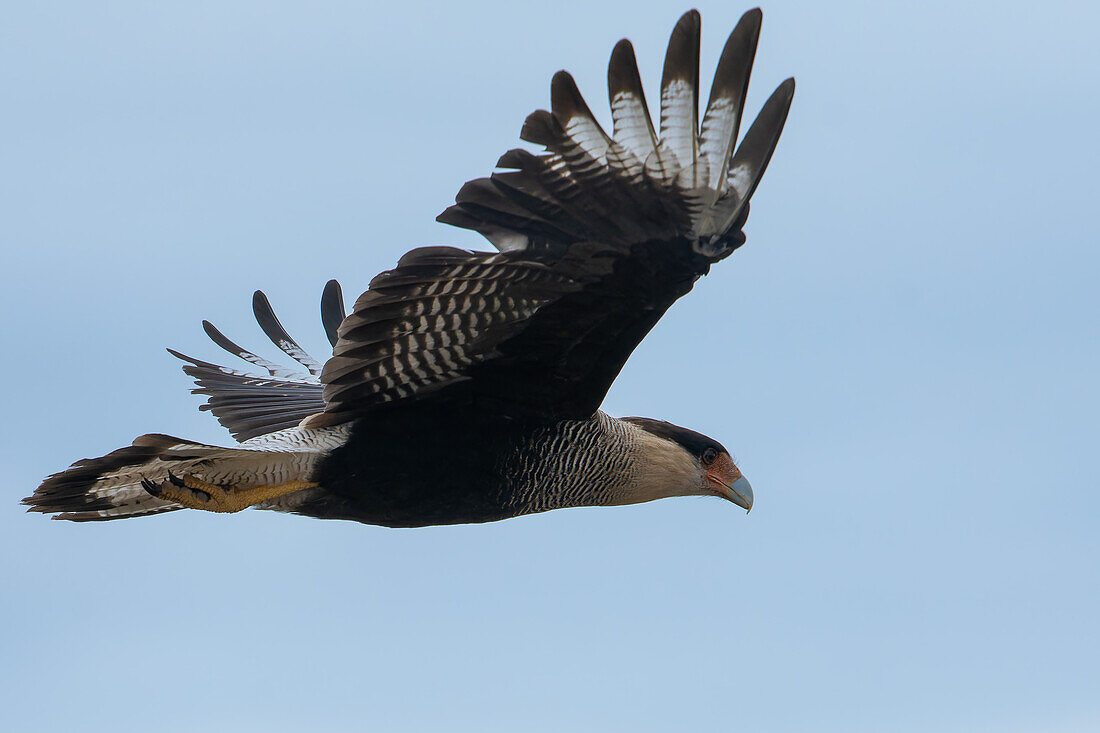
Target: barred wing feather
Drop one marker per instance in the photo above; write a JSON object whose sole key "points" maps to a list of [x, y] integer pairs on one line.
{"points": [[250, 405], [597, 236]]}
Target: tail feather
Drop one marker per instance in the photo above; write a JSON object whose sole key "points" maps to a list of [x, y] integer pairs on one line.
{"points": [[110, 487]]}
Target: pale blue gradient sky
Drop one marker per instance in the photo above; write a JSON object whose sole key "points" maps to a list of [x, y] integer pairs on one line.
{"points": [[904, 358]]}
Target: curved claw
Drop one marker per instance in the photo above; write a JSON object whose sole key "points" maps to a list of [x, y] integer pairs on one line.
{"points": [[149, 486]]}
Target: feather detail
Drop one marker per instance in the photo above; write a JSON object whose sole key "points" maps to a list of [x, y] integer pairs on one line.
{"points": [[752, 158], [251, 405], [332, 310], [240, 352], [634, 138], [576, 119], [727, 99], [636, 186], [678, 146], [269, 322]]}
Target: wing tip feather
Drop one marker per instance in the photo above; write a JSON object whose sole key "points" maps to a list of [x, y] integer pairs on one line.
{"points": [[680, 176]]}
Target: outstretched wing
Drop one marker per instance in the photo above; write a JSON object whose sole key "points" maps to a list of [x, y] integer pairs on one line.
{"points": [[250, 405], [597, 237]]}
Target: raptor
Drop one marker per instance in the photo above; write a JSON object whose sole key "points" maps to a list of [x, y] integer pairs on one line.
{"points": [[465, 386]]}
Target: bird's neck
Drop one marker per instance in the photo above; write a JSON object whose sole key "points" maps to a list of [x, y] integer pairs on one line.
{"points": [[598, 462]]}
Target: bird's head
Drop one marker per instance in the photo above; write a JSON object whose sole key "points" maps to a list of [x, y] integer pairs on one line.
{"points": [[675, 461]]}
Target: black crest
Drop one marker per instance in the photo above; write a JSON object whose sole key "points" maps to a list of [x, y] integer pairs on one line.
{"points": [[693, 442]]}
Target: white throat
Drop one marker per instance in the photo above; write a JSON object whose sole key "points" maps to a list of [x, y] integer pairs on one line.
{"points": [[659, 469]]}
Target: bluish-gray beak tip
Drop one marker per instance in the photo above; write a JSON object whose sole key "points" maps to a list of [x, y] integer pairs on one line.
{"points": [[741, 494]]}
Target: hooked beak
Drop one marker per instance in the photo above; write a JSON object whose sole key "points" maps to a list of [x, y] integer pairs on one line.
{"points": [[739, 492]]}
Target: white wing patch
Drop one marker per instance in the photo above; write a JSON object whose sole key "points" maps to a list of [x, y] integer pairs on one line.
{"points": [[691, 181]]}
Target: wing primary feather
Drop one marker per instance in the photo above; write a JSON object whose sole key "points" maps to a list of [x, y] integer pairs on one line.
{"points": [[755, 152], [208, 365], [221, 340], [633, 126], [576, 118], [727, 98], [687, 183], [332, 310], [274, 330], [679, 141], [249, 405]]}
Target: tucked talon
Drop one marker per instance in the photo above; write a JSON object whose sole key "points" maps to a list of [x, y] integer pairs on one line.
{"points": [[151, 487], [195, 493], [189, 489]]}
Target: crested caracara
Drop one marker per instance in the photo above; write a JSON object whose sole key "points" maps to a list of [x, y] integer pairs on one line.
{"points": [[466, 386]]}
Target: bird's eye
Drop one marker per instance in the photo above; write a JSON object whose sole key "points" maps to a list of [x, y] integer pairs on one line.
{"points": [[709, 455]]}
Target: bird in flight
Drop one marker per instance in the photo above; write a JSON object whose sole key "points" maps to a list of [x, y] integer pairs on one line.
{"points": [[465, 386]]}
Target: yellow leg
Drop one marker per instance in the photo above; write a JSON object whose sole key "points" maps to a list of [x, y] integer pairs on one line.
{"points": [[195, 493]]}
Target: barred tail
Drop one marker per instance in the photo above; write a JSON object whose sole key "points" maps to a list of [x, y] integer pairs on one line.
{"points": [[109, 487]]}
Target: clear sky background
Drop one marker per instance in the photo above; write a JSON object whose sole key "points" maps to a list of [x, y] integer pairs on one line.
{"points": [[903, 358]]}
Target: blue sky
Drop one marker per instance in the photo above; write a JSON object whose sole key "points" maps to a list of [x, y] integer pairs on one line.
{"points": [[903, 358]]}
